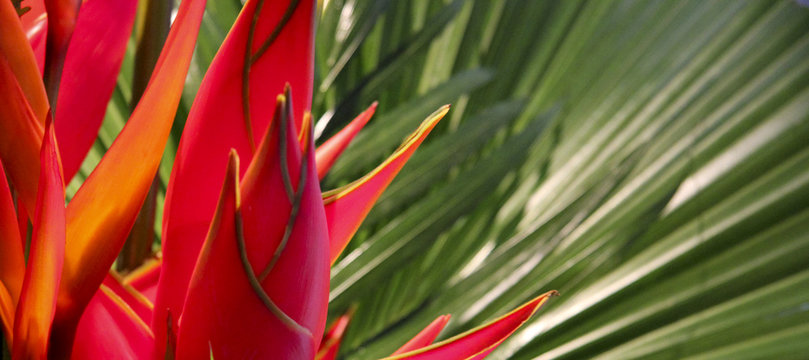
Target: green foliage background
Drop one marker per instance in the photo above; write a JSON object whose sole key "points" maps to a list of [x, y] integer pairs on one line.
{"points": [[649, 159]]}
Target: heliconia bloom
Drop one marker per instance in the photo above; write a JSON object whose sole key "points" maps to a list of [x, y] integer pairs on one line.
{"points": [[248, 235], [260, 288], [232, 110]]}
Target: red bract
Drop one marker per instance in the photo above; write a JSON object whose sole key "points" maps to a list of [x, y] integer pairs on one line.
{"points": [[233, 108], [246, 249], [475, 343], [92, 63], [330, 344], [424, 337]]}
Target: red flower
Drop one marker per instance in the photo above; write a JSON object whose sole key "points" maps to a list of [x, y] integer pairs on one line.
{"points": [[248, 236]]}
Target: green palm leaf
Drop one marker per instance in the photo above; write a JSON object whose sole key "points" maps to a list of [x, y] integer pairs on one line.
{"points": [[648, 159], [667, 191]]}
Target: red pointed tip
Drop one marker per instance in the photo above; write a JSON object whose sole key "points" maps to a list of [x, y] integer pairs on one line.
{"points": [[347, 206], [36, 308], [328, 152], [426, 336], [214, 271], [330, 345], [478, 342]]}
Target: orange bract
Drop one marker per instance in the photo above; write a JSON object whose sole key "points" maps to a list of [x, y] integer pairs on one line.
{"points": [[37, 304]]}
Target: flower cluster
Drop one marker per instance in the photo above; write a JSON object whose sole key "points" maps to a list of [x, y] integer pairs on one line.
{"points": [[248, 236]]}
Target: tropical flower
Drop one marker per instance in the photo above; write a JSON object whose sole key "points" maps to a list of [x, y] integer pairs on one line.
{"points": [[248, 236]]}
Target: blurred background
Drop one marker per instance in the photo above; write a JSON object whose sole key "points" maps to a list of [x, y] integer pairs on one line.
{"points": [[649, 159]]}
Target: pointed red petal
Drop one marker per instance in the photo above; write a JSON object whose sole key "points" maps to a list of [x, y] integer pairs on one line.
{"points": [[35, 311], [347, 206], [12, 258], [292, 237], [209, 284], [334, 336], [426, 336], [102, 212], [217, 124], [329, 151], [110, 329], [288, 323], [90, 71], [17, 51], [20, 136], [481, 340]]}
